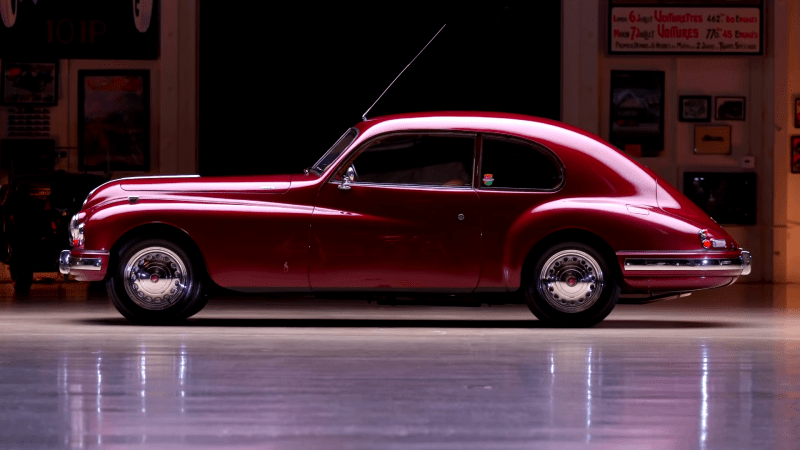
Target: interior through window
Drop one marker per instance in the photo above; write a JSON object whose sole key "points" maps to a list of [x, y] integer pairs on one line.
{"points": [[418, 160], [512, 164]]}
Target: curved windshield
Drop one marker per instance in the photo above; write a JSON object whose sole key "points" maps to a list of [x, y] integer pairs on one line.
{"points": [[341, 145]]}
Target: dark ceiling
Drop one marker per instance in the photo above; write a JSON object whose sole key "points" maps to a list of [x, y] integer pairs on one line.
{"points": [[279, 85]]}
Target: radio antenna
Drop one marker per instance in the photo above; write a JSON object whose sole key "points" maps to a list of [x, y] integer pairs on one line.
{"points": [[364, 116]]}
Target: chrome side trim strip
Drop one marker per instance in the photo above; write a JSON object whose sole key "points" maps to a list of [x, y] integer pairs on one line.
{"points": [[682, 264]]}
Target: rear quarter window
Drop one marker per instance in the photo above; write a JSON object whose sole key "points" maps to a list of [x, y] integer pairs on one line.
{"points": [[513, 164]]}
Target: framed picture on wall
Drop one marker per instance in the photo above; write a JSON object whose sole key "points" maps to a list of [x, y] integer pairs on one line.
{"points": [[114, 120], [712, 139], [797, 113], [729, 108], [637, 111], [695, 108], [795, 154], [34, 84]]}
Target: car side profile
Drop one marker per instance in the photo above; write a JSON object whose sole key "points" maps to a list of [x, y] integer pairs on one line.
{"points": [[506, 205]]}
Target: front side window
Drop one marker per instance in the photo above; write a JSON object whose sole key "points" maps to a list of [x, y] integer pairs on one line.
{"points": [[417, 160], [513, 164]]}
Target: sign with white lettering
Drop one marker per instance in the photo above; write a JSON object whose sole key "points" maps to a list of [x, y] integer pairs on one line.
{"points": [[685, 29], [39, 30]]}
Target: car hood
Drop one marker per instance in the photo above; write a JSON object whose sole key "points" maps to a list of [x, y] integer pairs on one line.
{"points": [[267, 184]]}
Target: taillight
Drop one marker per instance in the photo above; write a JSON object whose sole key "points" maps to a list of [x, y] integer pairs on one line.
{"points": [[708, 241]]}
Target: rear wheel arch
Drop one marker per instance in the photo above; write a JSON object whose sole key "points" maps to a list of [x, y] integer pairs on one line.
{"points": [[570, 235]]}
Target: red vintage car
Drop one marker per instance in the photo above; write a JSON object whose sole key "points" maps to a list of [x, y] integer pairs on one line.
{"points": [[448, 202]]}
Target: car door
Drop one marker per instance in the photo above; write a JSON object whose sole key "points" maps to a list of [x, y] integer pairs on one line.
{"points": [[408, 220]]}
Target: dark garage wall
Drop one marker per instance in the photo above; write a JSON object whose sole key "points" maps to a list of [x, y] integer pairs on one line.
{"points": [[279, 85]]}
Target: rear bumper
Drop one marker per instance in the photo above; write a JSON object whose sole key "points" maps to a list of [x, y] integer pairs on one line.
{"points": [[84, 265], [682, 271], [737, 266]]}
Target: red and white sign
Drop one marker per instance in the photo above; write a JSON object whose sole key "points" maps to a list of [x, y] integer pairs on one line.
{"points": [[648, 29]]}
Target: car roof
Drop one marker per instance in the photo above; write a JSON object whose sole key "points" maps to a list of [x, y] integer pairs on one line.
{"points": [[476, 121]]}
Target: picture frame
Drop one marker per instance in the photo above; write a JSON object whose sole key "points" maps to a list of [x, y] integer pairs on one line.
{"points": [[114, 120], [797, 112], [794, 153], [694, 108], [729, 108], [637, 111], [712, 139], [29, 83]]}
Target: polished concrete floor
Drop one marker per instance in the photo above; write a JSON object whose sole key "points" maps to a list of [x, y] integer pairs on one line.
{"points": [[719, 369]]}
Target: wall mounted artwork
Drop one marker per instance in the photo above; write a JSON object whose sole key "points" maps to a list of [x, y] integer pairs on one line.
{"points": [[695, 108], [114, 120], [637, 111], [712, 139], [34, 84]]}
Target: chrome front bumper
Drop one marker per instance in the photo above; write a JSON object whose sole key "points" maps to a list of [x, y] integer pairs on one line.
{"points": [[743, 264], [84, 265]]}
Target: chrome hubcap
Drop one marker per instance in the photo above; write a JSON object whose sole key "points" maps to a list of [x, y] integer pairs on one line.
{"points": [[155, 278], [571, 281]]}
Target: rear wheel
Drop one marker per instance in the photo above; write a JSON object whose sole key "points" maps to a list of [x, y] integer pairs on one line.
{"points": [[571, 285], [156, 282]]}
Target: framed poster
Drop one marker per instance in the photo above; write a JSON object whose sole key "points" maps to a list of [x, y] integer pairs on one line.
{"points": [[712, 139], [656, 27], [79, 29], [695, 108], [794, 150], [114, 120], [34, 84], [729, 108], [637, 111]]}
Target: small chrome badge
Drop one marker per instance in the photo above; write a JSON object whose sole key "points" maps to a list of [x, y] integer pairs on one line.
{"points": [[286, 267]]}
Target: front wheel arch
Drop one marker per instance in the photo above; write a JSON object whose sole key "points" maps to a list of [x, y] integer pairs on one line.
{"points": [[156, 231]]}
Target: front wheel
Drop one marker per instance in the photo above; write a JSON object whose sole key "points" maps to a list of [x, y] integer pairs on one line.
{"points": [[571, 285], [156, 282]]}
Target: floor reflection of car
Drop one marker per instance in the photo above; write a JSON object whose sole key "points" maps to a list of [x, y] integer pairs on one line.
{"points": [[510, 207]]}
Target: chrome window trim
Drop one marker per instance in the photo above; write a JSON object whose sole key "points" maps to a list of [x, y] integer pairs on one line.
{"points": [[334, 163], [465, 187]]}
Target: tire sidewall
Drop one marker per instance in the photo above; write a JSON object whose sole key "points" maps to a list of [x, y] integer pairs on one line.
{"points": [[591, 316], [135, 313]]}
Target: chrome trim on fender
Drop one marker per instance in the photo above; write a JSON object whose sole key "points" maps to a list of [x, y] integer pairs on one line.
{"points": [[66, 263], [135, 178]]}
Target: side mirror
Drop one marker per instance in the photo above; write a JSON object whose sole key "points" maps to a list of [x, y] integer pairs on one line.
{"points": [[348, 177], [350, 174]]}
